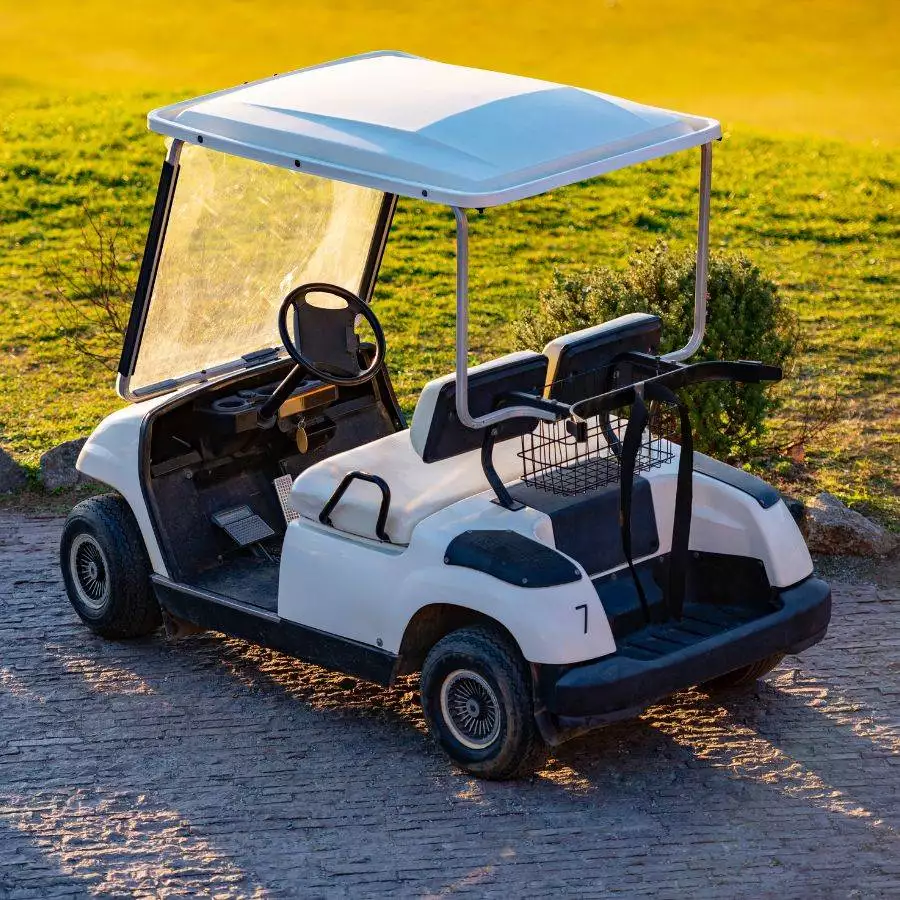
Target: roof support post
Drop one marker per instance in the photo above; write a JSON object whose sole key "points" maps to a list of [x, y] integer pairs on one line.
{"points": [[462, 341], [462, 318], [149, 264], [696, 338]]}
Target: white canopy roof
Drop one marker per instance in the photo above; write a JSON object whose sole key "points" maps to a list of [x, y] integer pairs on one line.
{"points": [[419, 128]]}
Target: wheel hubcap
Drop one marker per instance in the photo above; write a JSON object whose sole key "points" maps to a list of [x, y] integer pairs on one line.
{"points": [[90, 571], [471, 709]]}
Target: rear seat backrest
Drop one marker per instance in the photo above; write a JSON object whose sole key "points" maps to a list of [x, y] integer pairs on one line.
{"points": [[436, 431], [578, 363]]}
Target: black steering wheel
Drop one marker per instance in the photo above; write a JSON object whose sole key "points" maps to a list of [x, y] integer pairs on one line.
{"points": [[324, 327]]}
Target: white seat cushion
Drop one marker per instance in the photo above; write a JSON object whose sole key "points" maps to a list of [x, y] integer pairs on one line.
{"points": [[418, 489]]}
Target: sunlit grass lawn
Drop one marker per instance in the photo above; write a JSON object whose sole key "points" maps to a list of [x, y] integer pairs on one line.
{"points": [[822, 218]]}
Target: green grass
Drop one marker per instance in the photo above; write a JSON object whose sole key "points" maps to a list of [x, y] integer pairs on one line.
{"points": [[822, 218]]}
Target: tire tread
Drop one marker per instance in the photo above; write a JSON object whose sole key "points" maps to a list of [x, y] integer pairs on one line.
{"points": [[133, 610], [494, 645]]}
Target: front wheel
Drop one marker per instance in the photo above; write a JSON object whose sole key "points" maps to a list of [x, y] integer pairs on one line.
{"points": [[106, 570], [476, 695]]}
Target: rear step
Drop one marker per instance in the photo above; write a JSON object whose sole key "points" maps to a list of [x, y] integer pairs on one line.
{"points": [[660, 659], [699, 623], [722, 592]]}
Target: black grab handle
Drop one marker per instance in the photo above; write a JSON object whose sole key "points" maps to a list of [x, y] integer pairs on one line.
{"points": [[328, 508], [678, 377]]}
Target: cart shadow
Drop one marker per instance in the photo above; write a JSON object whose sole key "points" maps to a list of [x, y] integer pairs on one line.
{"points": [[759, 748], [764, 735], [277, 676], [693, 724], [23, 853]]}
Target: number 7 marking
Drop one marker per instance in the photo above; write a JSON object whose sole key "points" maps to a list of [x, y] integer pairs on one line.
{"points": [[584, 607]]}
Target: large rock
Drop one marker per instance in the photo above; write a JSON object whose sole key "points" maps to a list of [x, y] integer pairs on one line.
{"points": [[12, 475], [834, 529], [58, 466]]}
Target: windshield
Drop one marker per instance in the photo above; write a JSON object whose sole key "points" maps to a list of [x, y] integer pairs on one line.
{"points": [[240, 236]]}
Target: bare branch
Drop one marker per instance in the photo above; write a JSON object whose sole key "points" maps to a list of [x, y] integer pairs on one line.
{"points": [[93, 290]]}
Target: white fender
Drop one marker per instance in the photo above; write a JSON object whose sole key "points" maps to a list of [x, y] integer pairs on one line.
{"points": [[112, 456], [726, 520]]}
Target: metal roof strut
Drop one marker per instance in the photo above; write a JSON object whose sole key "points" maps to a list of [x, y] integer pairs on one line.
{"points": [[462, 307]]}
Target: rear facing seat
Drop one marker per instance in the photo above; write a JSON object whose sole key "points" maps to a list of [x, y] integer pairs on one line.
{"points": [[578, 363]]}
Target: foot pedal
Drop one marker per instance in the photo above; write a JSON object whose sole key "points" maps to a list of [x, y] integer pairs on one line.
{"points": [[242, 524], [283, 488]]}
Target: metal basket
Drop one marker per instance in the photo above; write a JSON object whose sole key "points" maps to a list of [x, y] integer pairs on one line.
{"points": [[554, 460]]}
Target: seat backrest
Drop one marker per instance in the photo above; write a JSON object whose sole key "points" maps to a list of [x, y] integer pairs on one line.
{"points": [[579, 364], [436, 431]]}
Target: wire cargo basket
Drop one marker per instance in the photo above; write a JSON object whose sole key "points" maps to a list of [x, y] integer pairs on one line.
{"points": [[554, 460]]}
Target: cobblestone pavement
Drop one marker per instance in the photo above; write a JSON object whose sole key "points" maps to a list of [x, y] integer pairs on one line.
{"points": [[211, 766]]}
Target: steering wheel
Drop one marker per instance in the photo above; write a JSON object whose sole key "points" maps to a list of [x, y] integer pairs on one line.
{"points": [[325, 330]]}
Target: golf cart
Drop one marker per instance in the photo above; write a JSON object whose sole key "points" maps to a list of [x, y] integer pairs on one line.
{"points": [[541, 543]]}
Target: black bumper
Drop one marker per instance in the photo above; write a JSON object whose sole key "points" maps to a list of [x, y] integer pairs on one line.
{"points": [[617, 685]]}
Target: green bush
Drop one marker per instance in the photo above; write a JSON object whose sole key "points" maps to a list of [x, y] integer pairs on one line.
{"points": [[746, 319]]}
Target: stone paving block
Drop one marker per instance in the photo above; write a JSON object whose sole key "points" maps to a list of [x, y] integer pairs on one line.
{"points": [[212, 767]]}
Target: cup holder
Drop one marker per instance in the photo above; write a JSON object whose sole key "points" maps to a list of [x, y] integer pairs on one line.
{"points": [[232, 404]]}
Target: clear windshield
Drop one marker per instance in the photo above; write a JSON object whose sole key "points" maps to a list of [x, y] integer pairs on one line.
{"points": [[240, 236]]}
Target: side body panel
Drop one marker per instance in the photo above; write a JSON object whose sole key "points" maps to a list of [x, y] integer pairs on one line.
{"points": [[368, 592]]}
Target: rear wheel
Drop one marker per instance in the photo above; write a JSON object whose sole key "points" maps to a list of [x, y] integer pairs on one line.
{"points": [[745, 675], [476, 694], [106, 570]]}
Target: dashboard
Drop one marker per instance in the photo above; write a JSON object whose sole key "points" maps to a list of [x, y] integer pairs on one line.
{"points": [[238, 412]]}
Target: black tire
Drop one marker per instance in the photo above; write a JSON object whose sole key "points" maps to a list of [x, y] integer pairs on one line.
{"points": [[482, 666], [745, 675], [106, 570]]}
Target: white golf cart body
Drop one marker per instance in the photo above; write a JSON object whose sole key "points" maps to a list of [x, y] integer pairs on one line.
{"points": [[367, 586]]}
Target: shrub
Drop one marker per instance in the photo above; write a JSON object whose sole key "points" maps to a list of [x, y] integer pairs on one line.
{"points": [[746, 319]]}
